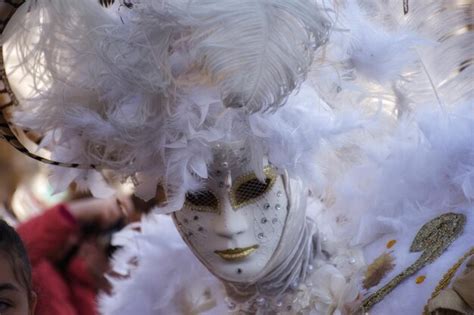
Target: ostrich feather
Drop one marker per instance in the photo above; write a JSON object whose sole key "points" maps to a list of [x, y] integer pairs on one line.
{"points": [[257, 51]]}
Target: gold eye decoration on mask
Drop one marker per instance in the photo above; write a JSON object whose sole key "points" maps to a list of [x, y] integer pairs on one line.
{"points": [[203, 201], [248, 189]]}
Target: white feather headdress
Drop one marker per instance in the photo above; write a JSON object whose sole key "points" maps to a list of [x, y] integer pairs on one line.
{"points": [[147, 89]]}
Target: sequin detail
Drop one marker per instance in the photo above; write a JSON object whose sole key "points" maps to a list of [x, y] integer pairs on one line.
{"points": [[420, 279], [448, 277], [432, 240]]}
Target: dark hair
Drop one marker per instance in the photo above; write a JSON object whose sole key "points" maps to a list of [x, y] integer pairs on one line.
{"points": [[12, 247], [101, 236]]}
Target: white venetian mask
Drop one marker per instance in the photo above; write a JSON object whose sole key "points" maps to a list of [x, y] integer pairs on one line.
{"points": [[235, 222]]}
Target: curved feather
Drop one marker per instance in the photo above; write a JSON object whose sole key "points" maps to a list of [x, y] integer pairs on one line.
{"points": [[256, 51]]}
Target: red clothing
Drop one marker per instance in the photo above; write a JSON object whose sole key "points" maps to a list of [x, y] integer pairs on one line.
{"points": [[59, 293]]}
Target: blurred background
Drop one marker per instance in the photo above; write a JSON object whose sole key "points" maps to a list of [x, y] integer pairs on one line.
{"points": [[24, 188]]}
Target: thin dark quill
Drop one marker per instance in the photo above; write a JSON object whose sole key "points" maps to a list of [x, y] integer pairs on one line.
{"points": [[106, 3]]}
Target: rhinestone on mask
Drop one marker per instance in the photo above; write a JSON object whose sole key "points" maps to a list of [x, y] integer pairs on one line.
{"points": [[260, 236], [277, 207], [264, 220], [279, 194], [275, 220], [266, 206]]}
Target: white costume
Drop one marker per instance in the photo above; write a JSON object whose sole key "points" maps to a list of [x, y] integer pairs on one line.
{"points": [[317, 158]]}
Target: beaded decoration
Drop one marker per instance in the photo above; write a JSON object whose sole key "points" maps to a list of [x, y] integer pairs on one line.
{"points": [[448, 277], [432, 240]]}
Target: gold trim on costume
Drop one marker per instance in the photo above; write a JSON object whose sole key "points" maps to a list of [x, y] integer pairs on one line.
{"points": [[432, 240], [448, 277]]}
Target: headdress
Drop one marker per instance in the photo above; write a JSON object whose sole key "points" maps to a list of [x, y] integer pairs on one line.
{"points": [[148, 89]]}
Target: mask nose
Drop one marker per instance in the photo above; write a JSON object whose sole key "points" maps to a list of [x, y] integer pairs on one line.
{"points": [[230, 223]]}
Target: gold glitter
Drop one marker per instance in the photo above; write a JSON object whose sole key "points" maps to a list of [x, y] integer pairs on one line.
{"points": [[253, 196], [448, 276], [391, 243], [236, 253], [420, 279], [202, 201], [432, 240]]}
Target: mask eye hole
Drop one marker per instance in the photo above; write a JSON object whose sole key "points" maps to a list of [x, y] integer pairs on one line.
{"points": [[249, 188], [204, 201]]}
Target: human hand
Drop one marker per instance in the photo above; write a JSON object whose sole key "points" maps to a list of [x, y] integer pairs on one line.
{"points": [[101, 212]]}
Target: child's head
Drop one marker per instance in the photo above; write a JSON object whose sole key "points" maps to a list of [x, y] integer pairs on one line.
{"points": [[16, 294]]}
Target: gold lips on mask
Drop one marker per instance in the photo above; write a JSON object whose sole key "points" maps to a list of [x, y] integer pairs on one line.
{"points": [[236, 253]]}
